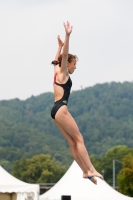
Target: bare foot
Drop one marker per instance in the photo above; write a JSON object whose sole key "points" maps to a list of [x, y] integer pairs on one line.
{"points": [[91, 175]]}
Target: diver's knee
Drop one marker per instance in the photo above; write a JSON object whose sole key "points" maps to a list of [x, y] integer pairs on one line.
{"points": [[80, 139], [72, 143]]}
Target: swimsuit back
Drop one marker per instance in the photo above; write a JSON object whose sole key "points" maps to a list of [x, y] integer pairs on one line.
{"points": [[64, 100], [66, 87]]}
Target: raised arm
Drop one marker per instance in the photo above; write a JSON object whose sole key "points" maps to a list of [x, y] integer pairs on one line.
{"points": [[68, 30], [60, 45]]}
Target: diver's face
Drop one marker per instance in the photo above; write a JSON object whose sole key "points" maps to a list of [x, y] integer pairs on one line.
{"points": [[72, 66]]}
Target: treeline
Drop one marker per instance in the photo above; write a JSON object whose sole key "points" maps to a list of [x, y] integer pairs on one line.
{"points": [[44, 169], [104, 114]]}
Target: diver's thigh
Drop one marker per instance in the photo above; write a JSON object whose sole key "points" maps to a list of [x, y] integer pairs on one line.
{"points": [[65, 134], [64, 118]]}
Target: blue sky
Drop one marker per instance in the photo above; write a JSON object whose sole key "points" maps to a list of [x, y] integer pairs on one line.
{"points": [[101, 38]]}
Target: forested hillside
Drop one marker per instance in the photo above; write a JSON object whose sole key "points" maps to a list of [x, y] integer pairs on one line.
{"points": [[104, 114]]}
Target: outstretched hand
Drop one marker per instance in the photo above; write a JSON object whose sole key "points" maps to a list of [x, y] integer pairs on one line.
{"points": [[68, 28], [60, 43]]}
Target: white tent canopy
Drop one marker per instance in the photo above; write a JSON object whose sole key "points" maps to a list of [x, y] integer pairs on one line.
{"points": [[10, 184], [72, 184]]}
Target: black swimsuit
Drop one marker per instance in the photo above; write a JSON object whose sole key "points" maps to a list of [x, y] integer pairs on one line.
{"points": [[64, 100]]}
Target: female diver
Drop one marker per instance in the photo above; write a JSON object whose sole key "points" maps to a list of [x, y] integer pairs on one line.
{"points": [[65, 64]]}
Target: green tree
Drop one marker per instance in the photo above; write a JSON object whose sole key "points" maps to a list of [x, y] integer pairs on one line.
{"points": [[5, 164], [125, 176], [114, 153], [105, 164], [39, 169]]}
